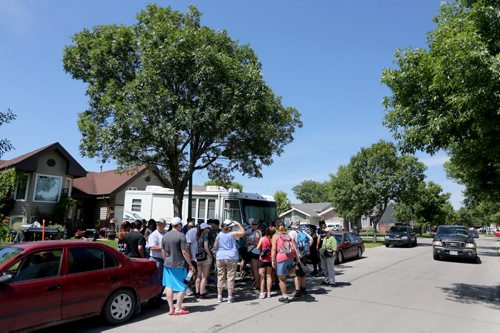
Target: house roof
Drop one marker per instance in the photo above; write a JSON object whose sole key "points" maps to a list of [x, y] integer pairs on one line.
{"points": [[107, 182], [29, 161], [311, 209]]}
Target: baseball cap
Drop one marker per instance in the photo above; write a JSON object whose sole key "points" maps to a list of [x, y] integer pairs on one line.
{"points": [[161, 220], [204, 226], [228, 222], [176, 220]]}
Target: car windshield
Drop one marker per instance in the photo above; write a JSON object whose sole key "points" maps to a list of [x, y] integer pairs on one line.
{"points": [[8, 252], [398, 229], [453, 231]]}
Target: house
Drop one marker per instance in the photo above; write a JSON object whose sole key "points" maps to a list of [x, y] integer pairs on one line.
{"points": [[101, 195], [311, 213], [42, 177]]}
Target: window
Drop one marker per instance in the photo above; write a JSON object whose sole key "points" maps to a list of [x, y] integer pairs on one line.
{"points": [[22, 186], [193, 206], [47, 188], [211, 209], [39, 265], [68, 182], [201, 210], [232, 210], [89, 259], [136, 205]]}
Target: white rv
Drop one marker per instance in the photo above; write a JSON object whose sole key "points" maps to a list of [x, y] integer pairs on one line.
{"points": [[208, 202]]}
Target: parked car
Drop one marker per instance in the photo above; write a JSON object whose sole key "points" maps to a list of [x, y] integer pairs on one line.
{"points": [[474, 232], [349, 245], [451, 241], [336, 226], [47, 283], [401, 235]]}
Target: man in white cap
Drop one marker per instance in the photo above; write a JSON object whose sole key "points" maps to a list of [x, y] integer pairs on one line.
{"points": [[155, 248], [176, 256]]}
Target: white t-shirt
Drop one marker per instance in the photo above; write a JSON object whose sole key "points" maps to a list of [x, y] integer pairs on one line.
{"points": [[155, 240], [191, 239]]}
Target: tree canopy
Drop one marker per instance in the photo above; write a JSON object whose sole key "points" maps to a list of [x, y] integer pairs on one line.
{"points": [[226, 185], [6, 145], [374, 177], [310, 191], [447, 97], [429, 206], [282, 202], [172, 93]]}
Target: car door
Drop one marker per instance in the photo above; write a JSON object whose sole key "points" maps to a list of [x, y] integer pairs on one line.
{"points": [[92, 274], [352, 246], [33, 297]]}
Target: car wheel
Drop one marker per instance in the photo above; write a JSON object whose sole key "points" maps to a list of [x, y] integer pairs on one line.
{"points": [[410, 243], [119, 307], [340, 258], [360, 253], [436, 256], [386, 245], [415, 244]]}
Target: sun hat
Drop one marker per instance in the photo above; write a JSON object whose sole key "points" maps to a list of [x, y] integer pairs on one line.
{"points": [[228, 223]]}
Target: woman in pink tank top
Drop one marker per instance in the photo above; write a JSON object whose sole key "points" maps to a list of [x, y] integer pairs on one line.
{"points": [[265, 262], [283, 254]]}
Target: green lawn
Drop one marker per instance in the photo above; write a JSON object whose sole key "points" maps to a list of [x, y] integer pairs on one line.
{"points": [[370, 243]]}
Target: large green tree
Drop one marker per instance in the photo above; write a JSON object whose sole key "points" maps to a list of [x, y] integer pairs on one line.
{"points": [[374, 177], [283, 204], [310, 191], [5, 117], [172, 93], [430, 206], [447, 97]]}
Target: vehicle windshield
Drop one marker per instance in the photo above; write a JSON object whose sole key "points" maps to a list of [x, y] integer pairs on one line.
{"points": [[398, 229], [260, 210], [448, 231], [8, 252]]}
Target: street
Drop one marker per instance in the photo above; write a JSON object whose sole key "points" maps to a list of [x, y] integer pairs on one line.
{"points": [[388, 290]]}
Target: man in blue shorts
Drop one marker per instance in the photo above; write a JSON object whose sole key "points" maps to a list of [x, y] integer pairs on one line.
{"points": [[176, 256]]}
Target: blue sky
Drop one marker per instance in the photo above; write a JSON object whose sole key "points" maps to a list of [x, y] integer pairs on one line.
{"points": [[323, 57]]}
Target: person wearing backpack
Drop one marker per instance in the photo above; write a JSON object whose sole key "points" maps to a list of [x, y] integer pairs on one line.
{"points": [[283, 254], [265, 262], [203, 260], [303, 241]]}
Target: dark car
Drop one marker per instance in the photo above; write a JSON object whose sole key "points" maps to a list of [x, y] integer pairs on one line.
{"points": [[400, 235], [454, 242], [349, 245], [47, 283]]}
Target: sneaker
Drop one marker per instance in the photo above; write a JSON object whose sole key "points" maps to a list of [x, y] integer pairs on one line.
{"points": [[296, 294], [219, 299], [284, 300], [331, 284], [324, 283], [262, 295], [230, 299], [268, 295], [189, 293]]}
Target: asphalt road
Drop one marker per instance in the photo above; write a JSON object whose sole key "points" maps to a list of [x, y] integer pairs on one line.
{"points": [[388, 290]]}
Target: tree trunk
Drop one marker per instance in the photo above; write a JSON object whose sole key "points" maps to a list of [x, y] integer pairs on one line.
{"points": [[177, 201]]}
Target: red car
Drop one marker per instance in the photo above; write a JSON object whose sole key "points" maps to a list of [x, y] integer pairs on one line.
{"points": [[349, 245], [51, 282]]}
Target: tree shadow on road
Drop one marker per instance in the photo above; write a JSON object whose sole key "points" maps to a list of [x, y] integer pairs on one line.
{"points": [[474, 294]]}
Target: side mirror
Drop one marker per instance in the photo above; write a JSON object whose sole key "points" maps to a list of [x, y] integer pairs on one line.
{"points": [[5, 278]]}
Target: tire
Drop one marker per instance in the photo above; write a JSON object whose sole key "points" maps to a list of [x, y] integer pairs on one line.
{"points": [[340, 258], [360, 253], [415, 244], [386, 245], [436, 256], [119, 307], [410, 243]]}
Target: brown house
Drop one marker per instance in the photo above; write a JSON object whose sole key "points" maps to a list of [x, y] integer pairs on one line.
{"points": [[43, 176], [100, 196]]}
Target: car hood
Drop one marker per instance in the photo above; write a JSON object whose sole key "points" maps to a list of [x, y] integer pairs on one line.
{"points": [[454, 238]]}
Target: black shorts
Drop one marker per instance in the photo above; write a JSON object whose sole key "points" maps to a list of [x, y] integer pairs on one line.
{"points": [[264, 264], [252, 255], [242, 251], [195, 265], [300, 272]]}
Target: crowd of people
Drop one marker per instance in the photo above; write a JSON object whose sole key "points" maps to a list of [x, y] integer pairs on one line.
{"points": [[188, 256]]}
